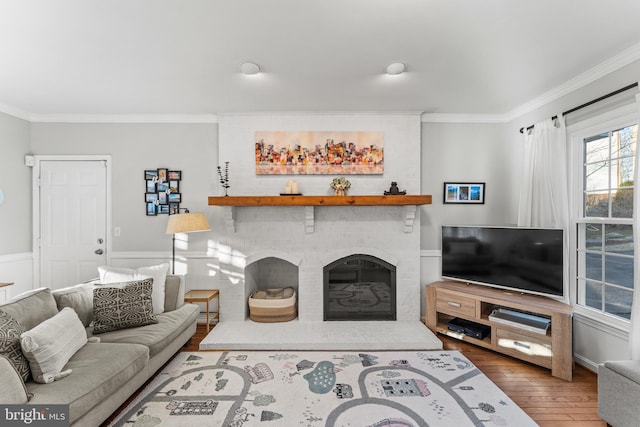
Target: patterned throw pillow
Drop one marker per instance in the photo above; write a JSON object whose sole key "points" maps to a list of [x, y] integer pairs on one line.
{"points": [[10, 330], [124, 306]]}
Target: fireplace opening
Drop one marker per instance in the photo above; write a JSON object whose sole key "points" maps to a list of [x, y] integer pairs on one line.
{"points": [[269, 273], [359, 287]]}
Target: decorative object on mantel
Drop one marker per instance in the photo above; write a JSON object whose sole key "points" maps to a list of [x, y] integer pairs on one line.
{"points": [[292, 189], [466, 193], [162, 193], [224, 178], [340, 186], [319, 153], [186, 222], [394, 191]]}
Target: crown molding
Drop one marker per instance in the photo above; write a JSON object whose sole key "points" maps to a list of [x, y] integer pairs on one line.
{"points": [[124, 118], [15, 112], [612, 64], [463, 118], [323, 113]]}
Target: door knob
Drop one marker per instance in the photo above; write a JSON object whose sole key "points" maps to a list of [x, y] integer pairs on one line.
{"points": [[100, 240], [99, 252]]}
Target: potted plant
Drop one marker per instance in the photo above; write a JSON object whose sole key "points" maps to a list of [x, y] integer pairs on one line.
{"points": [[340, 186]]}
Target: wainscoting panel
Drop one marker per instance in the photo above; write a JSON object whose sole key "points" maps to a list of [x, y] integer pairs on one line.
{"points": [[17, 268]]}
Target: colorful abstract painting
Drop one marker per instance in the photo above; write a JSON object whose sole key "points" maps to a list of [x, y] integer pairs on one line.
{"points": [[319, 153]]}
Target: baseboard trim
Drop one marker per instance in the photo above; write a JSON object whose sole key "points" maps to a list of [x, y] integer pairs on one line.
{"points": [[17, 257], [583, 361], [162, 255]]}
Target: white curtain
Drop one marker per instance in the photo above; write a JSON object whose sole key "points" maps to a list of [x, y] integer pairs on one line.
{"points": [[543, 196], [634, 333]]}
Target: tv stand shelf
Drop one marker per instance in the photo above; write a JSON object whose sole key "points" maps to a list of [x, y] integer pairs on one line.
{"points": [[553, 350]]}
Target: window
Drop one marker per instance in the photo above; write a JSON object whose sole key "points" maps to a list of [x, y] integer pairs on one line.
{"points": [[604, 232]]}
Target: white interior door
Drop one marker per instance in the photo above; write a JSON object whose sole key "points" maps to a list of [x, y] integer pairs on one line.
{"points": [[73, 228]]}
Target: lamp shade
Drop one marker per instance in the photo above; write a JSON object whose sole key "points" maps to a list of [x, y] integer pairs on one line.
{"points": [[187, 223]]}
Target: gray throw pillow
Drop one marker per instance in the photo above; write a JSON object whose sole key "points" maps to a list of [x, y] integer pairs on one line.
{"points": [[10, 331], [125, 305], [79, 298], [12, 388], [49, 346]]}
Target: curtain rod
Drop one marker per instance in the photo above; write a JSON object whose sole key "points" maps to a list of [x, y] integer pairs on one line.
{"points": [[586, 104]]}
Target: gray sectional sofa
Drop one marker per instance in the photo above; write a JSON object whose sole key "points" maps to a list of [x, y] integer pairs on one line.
{"points": [[619, 393], [105, 373]]}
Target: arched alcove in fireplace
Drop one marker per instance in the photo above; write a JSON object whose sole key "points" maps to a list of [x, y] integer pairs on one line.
{"points": [[269, 272]]}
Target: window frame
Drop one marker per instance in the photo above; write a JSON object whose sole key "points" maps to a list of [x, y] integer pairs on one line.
{"points": [[576, 133]]}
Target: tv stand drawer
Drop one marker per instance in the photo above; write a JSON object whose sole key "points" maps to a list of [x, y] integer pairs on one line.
{"points": [[526, 347], [455, 304]]}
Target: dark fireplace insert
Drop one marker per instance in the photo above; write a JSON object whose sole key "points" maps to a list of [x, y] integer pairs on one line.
{"points": [[359, 287]]}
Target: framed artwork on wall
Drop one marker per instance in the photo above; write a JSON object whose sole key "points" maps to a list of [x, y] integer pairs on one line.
{"points": [[162, 195], [471, 193], [319, 153]]}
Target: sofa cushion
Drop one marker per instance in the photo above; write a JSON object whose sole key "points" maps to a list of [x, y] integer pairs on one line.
{"points": [[126, 305], [32, 307], [79, 298], [99, 370], [627, 368], [158, 336], [49, 346], [156, 272], [173, 293], [12, 388], [10, 331]]}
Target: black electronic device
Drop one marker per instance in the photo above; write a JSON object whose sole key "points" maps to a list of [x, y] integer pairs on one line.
{"points": [[516, 258], [469, 328]]}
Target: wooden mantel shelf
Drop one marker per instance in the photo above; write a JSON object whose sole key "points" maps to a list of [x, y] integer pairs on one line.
{"points": [[399, 200], [410, 204]]}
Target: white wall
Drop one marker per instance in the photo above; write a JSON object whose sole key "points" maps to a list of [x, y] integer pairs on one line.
{"points": [[191, 148], [15, 210], [462, 152], [15, 182]]}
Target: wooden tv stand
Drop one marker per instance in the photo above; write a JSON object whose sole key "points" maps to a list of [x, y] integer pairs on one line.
{"points": [[448, 299]]}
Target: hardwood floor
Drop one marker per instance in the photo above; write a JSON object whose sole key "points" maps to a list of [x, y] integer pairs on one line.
{"points": [[548, 400]]}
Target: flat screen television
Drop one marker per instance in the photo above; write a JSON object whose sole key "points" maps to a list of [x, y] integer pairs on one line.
{"points": [[521, 259]]}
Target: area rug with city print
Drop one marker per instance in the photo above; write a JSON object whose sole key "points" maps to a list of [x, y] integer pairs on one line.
{"points": [[321, 388]]}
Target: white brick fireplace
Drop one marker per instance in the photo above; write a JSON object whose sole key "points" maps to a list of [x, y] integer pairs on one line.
{"points": [[277, 244], [280, 253]]}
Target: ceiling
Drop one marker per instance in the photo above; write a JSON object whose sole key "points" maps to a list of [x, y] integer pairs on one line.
{"points": [[120, 57]]}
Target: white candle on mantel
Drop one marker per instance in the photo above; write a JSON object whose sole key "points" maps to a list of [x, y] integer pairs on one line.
{"points": [[294, 187], [289, 188]]}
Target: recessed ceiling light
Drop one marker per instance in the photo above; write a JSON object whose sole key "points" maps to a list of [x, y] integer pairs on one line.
{"points": [[396, 68], [249, 68]]}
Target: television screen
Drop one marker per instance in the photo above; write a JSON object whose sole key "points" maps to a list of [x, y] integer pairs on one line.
{"points": [[523, 259]]}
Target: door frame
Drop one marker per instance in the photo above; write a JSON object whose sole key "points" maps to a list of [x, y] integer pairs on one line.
{"points": [[35, 184]]}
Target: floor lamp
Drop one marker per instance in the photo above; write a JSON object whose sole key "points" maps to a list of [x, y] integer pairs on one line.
{"points": [[186, 222]]}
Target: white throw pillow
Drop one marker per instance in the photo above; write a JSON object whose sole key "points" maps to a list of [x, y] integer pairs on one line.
{"points": [[49, 346], [156, 272]]}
